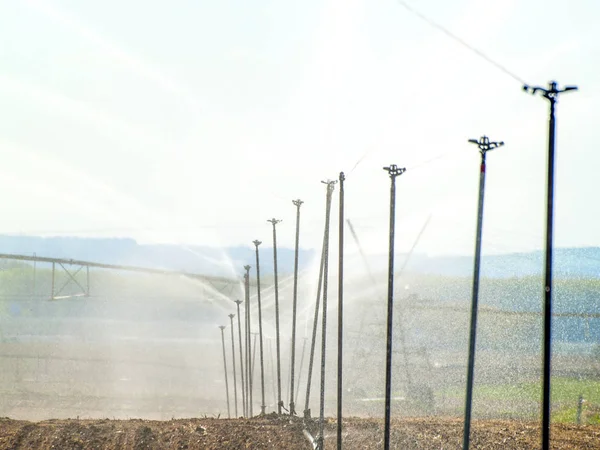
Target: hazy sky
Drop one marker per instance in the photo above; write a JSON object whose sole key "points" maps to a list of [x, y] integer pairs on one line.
{"points": [[195, 121]]}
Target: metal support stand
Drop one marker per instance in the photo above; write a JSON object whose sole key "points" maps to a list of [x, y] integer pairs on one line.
{"points": [[274, 222], [225, 367], [260, 331], [231, 316], [238, 302], [71, 278], [297, 204], [485, 146], [321, 442], [551, 94], [393, 172]]}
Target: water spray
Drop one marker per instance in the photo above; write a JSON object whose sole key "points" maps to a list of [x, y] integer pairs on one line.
{"points": [[485, 146], [297, 203], [330, 188], [393, 171], [231, 316], [340, 311], [260, 332], [238, 302], [222, 327], [551, 94], [278, 349], [248, 342]]}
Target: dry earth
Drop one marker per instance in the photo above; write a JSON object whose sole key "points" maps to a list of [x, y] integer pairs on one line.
{"points": [[272, 432], [439, 433]]}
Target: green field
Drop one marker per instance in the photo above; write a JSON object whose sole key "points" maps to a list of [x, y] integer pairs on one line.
{"points": [[565, 396]]}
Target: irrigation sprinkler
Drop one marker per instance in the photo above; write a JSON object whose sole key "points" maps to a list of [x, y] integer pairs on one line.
{"points": [[484, 146], [316, 318], [238, 302], [274, 222], [260, 337], [233, 364], [340, 312], [330, 188], [297, 203], [222, 327], [393, 171], [248, 342], [551, 94]]}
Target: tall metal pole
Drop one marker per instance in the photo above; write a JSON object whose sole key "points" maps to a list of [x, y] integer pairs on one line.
{"points": [[278, 348], [260, 332], [340, 312], [231, 316], [393, 172], [297, 203], [248, 342], [321, 442], [485, 146], [551, 94], [313, 342], [238, 302], [225, 366]]}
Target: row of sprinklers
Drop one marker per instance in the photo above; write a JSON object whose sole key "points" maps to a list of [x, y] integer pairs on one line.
{"points": [[484, 145]]}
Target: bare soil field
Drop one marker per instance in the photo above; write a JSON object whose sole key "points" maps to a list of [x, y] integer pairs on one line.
{"points": [[272, 432], [439, 433], [137, 434]]}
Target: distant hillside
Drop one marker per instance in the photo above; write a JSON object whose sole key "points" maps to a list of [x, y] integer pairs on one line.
{"points": [[568, 262], [205, 260]]}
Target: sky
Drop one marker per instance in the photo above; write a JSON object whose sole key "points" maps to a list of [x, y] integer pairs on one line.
{"points": [[193, 122]]}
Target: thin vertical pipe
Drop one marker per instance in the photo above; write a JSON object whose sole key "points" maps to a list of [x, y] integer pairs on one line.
{"points": [[340, 312], [330, 187], [225, 368], [249, 344], [274, 222], [315, 323], [297, 203], [238, 302], [233, 365], [393, 171], [260, 331]]}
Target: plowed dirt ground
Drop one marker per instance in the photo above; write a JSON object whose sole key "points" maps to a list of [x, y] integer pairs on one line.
{"points": [[272, 432]]}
